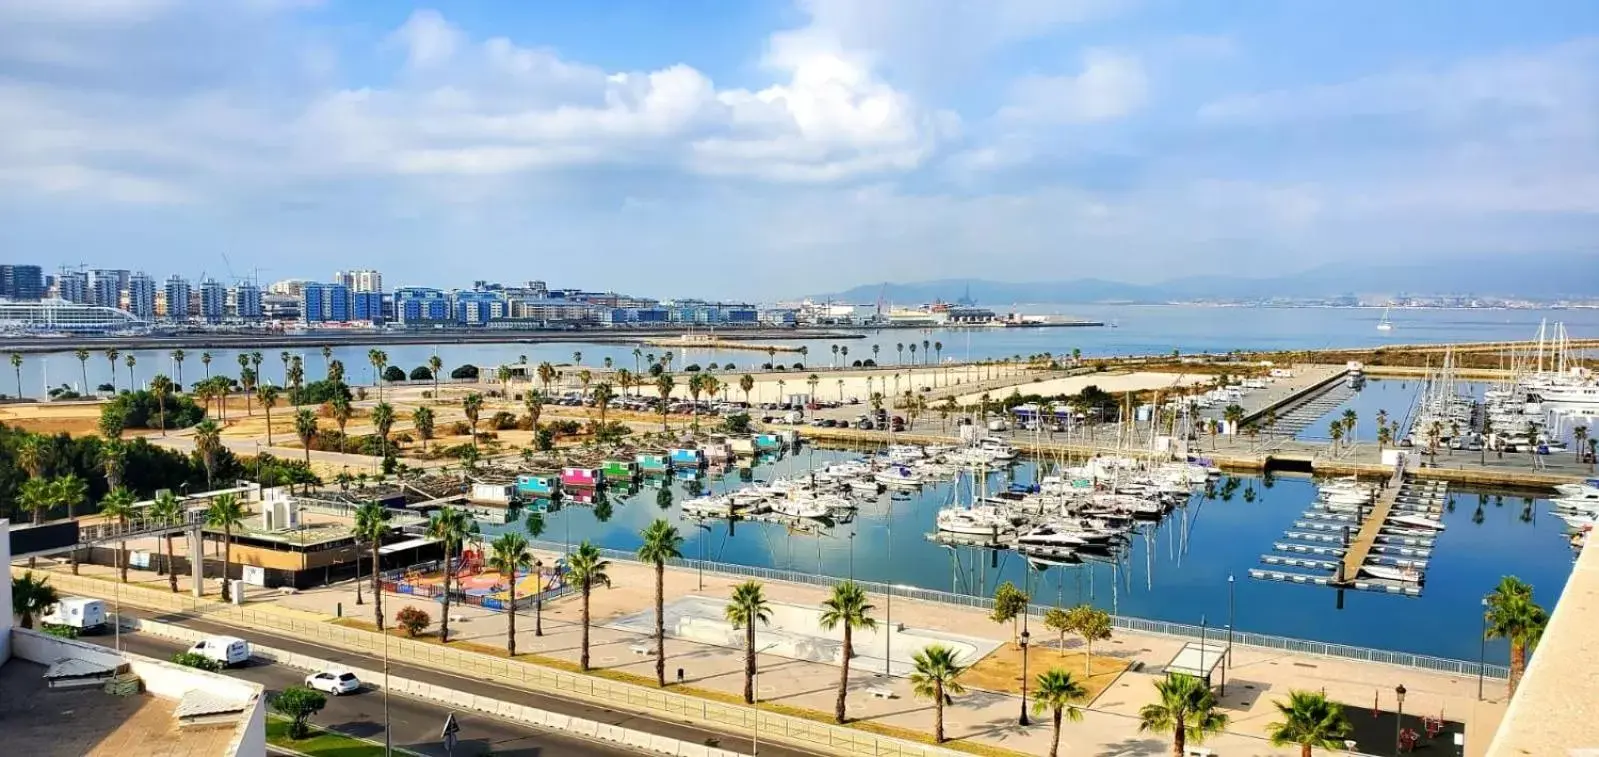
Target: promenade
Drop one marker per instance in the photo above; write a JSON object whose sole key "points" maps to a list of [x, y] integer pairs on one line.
{"points": [[1256, 678]]}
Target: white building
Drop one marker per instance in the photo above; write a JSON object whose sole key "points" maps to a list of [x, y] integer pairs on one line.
{"points": [[141, 295], [360, 281]]}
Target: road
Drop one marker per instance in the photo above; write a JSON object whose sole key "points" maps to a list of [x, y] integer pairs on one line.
{"points": [[424, 721], [415, 724]]}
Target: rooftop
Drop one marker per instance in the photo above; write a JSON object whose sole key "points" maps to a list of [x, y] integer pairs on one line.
{"points": [[86, 721]]}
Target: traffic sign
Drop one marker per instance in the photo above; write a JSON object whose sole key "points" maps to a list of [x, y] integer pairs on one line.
{"points": [[451, 729]]}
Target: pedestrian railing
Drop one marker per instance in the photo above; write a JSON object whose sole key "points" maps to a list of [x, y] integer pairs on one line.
{"points": [[1123, 622]]}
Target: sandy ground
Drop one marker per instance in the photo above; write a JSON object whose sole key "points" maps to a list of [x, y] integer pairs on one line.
{"points": [[1110, 382]]}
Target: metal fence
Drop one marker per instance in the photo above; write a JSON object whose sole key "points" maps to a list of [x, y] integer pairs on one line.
{"points": [[314, 629], [1122, 622]]}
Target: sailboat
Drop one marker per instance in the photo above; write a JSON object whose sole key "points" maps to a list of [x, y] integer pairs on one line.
{"points": [[1385, 324]]}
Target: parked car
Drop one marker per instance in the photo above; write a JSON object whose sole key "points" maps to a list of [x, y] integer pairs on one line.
{"points": [[225, 650], [334, 682]]}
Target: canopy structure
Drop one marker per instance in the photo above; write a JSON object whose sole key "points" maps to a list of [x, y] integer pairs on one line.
{"points": [[389, 549], [1198, 659]]}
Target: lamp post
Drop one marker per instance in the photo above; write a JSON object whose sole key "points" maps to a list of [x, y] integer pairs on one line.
{"points": [[388, 739], [1023, 719], [1228, 661], [755, 729], [1482, 648], [1399, 721]]}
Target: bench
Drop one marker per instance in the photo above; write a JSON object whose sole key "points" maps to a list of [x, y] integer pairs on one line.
{"points": [[642, 648], [881, 692]]}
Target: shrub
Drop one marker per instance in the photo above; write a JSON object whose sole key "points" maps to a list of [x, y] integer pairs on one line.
{"points": [[140, 410], [855, 364], [868, 363], [360, 393], [799, 366], [319, 392], [464, 372], [199, 661], [544, 439], [737, 423], [105, 388], [691, 368], [502, 421], [421, 373], [299, 703], [59, 630], [394, 373], [460, 428], [414, 620], [565, 427], [766, 366], [656, 369]]}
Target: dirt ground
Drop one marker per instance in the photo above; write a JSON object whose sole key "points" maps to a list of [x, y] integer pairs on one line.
{"points": [[1001, 670], [75, 418]]}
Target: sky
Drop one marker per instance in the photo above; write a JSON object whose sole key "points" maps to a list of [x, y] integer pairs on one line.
{"points": [[772, 148]]}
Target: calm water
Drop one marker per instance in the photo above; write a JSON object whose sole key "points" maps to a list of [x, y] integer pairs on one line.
{"points": [[1140, 329], [1177, 571]]}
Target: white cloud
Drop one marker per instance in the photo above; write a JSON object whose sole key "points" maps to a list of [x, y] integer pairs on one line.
{"points": [[1111, 86], [429, 40]]}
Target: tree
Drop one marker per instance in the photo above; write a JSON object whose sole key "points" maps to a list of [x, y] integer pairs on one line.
{"points": [[1009, 604], [661, 543], [16, 365], [450, 527], [1579, 434], [1311, 721], [118, 506], [168, 511], [371, 525], [587, 569], [1058, 694], [1061, 622], [748, 607], [305, 427], [664, 385], [1335, 432], [535, 529], [413, 620], [383, 422], [343, 410], [83, 365], [1513, 615], [746, 382], [422, 421], [846, 607], [435, 365], [37, 497], [298, 704], [208, 443], [1092, 624], [227, 513], [603, 395], [508, 555], [267, 395], [533, 402], [1186, 709], [31, 596], [937, 677], [111, 357], [900, 348], [473, 407]]}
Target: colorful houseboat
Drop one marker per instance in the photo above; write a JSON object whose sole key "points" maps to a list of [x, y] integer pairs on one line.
{"points": [[685, 457], [581, 478], [653, 462], [536, 485], [768, 442], [619, 471]]}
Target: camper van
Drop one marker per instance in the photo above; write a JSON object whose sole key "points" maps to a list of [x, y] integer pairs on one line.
{"points": [[86, 615], [226, 650]]}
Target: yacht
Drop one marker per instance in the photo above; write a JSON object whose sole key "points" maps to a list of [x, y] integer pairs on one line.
{"points": [[1385, 324], [1416, 521], [1587, 487], [996, 448], [981, 520], [905, 453], [1392, 573], [899, 475], [801, 507]]}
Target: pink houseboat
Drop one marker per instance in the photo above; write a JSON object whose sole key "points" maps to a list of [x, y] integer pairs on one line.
{"points": [[581, 478]]}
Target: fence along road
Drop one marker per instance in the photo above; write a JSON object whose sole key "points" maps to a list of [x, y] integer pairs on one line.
{"points": [[796, 732]]}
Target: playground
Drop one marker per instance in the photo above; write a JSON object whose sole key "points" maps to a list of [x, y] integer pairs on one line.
{"points": [[472, 583]]}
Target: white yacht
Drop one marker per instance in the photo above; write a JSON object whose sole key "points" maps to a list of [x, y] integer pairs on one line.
{"points": [[801, 507], [1416, 521], [981, 520], [996, 448], [1385, 324], [1392, 573], [900, 476]]}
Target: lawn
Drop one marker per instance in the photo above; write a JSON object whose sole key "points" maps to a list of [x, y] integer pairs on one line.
{"points": [[321, 743]]}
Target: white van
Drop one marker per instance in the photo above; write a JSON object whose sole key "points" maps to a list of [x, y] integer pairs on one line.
{"points": [[86, 615], [227, 650]]}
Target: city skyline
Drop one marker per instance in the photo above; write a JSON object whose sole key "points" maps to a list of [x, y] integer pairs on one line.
{"points": [[779, 147]]}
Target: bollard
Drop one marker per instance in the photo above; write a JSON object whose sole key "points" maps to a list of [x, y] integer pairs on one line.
{"points": [[679, 675], [338, 610]]}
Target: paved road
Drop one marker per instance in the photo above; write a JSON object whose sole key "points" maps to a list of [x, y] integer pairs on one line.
{"points": [[435, 720], [415, 724]]}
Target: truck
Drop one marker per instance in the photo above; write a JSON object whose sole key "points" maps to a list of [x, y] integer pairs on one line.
{"points": [[86, 615]]}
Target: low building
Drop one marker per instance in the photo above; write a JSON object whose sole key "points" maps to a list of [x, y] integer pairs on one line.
{"points": [[59, 316]]}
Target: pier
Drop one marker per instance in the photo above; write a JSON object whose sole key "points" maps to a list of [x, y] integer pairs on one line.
{"points": [[1361, 546]]}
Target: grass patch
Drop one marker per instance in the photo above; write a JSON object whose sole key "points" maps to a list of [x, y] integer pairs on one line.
{"points": [[1001, 670], [322, 742]]}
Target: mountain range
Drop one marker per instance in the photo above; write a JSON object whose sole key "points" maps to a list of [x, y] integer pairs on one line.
{"points": [[1520, 276]]}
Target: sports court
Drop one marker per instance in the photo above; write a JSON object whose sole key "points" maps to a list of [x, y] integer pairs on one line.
{"points": [[795, 632]]}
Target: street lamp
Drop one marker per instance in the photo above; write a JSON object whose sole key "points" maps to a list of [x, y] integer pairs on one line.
{"points": [[1399, 722], [1228, 661], [755, 730], [1023, 719], [1482, 648]]}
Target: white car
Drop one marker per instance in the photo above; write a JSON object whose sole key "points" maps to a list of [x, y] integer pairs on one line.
{"points": [[334, 682]]}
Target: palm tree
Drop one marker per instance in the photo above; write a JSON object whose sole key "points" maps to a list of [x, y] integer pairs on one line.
{"points": [[1513, 615], [472, 406], [422, 421], [1579, 434], [131, 361], [382, 422], [167, 510], [577, 358], [305, 427], [1186, 709], [747, 608], [377, 359], [1058, 694], [664, 385], [327, 362], [846, 607], [435, 364], [936, 677], [587, 569], [336, 371], [535, 529], [661, 543], [161, 386], [343, 410], [900, 348], [1311, 721], [603, 395], [227, 513], [31, 596], [111, 357], [508, 555], [371, 525], [533, 401], [38, 497], [205, 362], [83, 364], [267, 395], [296, 378], [546, 375], [118, 506], [16, 364], [1335, 431], [746, 382], [451, 527], [208, 442]]}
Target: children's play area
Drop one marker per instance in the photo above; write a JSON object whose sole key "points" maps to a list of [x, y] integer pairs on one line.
{"points": [[472, 583]]}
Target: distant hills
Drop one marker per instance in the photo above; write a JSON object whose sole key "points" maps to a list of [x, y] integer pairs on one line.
{"points": [[1527, 276]]}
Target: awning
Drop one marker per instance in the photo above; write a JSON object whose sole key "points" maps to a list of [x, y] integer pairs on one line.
{"points": [[401, 546], [1198, 660]]}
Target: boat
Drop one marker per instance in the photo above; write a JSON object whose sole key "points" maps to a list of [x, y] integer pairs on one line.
{"points": [[1385, 324], [1416, 521], [686, 457], [801, 507], [620, 470], [533, 485], [982, 520], [583, 478], [1392, 573], [653, 462], [899, 475]]}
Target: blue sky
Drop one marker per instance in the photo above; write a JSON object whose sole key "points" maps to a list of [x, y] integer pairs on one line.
{"points": [[772, 148]]}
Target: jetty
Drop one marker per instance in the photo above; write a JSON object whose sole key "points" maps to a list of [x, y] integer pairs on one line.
{"points": [[1360, 547], [697, 341]]}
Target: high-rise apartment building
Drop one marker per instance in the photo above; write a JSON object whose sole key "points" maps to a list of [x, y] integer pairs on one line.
{"points": [[213, 300], [178, 293], [72, 286], [421, 305], [141, 295], [21, 282], [360, 281], [322, 303], [247, 301], [106, 286]]}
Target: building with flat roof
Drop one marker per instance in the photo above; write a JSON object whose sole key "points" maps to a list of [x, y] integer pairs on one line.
{"points": [[213, 300], [247, 301], [21, 282], [360, 281], [178, 293], [54, 316], [141, 296]]}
